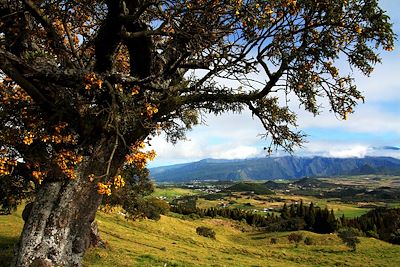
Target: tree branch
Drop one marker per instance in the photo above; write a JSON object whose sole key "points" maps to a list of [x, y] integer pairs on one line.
{"points": [[12, 66], [108, 38], [57, 43]]}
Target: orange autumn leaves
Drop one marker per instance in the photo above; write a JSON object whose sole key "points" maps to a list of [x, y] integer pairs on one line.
{"points": [[59, 136], [91, 81], [137, 157], [151, 110], [67, 161], [6, 165], [264, 12], [105, 188], [11, 93]]}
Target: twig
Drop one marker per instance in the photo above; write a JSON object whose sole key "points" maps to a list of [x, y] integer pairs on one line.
{"points": [[112, 155]]}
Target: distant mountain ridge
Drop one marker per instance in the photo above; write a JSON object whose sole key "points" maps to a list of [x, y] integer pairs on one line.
{"points": [[269, 168]]}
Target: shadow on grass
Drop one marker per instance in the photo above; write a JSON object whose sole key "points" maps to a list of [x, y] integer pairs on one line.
{"points": [[258, 237], [7, 250]]}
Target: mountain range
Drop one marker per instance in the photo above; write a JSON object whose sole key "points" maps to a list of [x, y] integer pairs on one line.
{"points": [[270, 168]]}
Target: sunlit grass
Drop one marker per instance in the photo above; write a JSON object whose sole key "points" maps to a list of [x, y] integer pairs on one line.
{"points": [[174, 242], [173, 192], [10, 229]]}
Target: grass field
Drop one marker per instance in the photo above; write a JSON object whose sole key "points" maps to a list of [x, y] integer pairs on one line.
{"points": [[368, 181], [173, 192], [247, 202], [10, 229], [174, 242]]}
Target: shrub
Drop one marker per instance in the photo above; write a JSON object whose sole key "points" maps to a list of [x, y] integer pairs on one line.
{"points": [[295, 238], [154, 207], [194, 216], [308, 241], [372, 233], [395, 237], [349, 237], [205, 231], [150, 208]]}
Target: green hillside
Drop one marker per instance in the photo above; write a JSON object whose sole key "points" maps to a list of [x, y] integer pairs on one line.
{"points": [[174, 242], [256, 188]]}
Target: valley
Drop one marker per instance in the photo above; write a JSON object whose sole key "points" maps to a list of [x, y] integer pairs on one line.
{"points": [[172, 240], [350, 196]]}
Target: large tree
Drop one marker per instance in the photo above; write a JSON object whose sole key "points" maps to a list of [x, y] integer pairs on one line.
{"points": [[84, 83]]}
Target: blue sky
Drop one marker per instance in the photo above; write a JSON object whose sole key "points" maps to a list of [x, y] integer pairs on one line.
{"points": [[369, 131]]}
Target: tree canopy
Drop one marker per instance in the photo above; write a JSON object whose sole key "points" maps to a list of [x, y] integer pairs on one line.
{"points": [[88, 81]]}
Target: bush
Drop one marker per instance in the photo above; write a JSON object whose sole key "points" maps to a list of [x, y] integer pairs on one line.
{"points": [[373, 234], [308, 241], [295, 238], [150, 208], [154, 207], [194, 216], [349, 237], [395, 237], [205, 231]]}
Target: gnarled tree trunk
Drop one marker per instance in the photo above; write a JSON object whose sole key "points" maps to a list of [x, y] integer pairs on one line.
{"points": [[57, 230], [58, 227]]}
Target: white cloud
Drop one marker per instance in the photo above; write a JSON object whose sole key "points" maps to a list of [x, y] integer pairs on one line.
{"points": [[240, 152], [357, 151], [227, 136], [367, 118], [340, 149]]}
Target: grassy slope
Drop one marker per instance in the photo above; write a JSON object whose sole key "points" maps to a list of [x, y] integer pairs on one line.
{"points": [[173, 242], [10, 229]]}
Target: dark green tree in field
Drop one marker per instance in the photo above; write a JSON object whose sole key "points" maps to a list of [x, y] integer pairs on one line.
{"points": [[205, 231], [295, 238], [349, 236], [308, 241], [381, 222], [395, 237], [285, 212], [85, 84], [150, 208], [309, 217]]}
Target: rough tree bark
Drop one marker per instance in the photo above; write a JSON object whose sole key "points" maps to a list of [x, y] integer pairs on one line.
{"points": [[55, 232], [58, 227]]}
